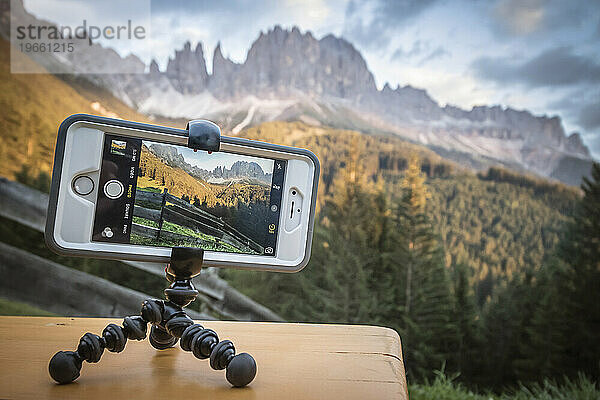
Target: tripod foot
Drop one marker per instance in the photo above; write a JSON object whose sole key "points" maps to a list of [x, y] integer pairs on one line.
{"points": [[65, 367], [241, 370]]}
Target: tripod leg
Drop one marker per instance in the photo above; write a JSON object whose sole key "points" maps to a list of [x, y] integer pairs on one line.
{"points": [[204, 343], [65, 366]]}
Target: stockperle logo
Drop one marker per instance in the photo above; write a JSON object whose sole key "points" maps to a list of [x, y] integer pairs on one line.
{"points": [[86, 37]]}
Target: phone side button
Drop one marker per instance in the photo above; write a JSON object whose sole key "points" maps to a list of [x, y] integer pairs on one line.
{"points": [[113, 189]]}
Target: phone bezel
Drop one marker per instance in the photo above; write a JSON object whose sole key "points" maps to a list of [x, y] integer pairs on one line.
{"points": [[178, 136]]}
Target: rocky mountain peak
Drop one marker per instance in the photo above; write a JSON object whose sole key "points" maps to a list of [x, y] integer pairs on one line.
{"points": [[223, 72], [241, 170], [154, 69], [168, 154], [187, 70], [575, 145], [286, 62]]}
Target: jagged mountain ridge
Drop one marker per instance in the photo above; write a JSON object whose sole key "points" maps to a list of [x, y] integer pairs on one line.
{"points": [[239, 170], [289, 75]]}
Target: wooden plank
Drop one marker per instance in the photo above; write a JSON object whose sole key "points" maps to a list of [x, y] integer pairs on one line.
{"points": [[144, 231], [187, 209], [62, 290], [22, 204], [203, 217], [172, 215], [163, 203], [147, 231], [147, 213], [182, 203], [295, 361], [149, 197]]}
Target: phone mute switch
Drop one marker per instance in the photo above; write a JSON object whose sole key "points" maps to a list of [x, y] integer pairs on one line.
{"points": [[113, 189]]}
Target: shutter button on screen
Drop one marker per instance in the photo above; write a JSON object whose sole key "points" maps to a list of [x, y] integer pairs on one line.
{"points": [[113, 189], [83, 185]]}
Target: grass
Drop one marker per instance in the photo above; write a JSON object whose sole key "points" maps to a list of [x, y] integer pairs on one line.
{"points": [[580, 388], [145, 222], [11, 307], [150, 189], [447, 388], [209, 242]]}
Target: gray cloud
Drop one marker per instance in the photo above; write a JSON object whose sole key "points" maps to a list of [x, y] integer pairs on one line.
{"points": [[554, 67], [519, 17], [387, 17], [439, 52], [592, 141], [201, 6], [420, 51], [527, 17], [589, 116], [416, 50]]}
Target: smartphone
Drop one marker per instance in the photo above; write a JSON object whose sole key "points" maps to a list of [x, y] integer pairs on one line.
{"points": [[132, 191]]}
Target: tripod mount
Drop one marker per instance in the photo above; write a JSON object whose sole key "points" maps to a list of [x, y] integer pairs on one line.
{"points": [[169, 322]]}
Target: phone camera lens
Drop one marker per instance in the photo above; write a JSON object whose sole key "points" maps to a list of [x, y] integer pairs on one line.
{"points": [[83, 185]]}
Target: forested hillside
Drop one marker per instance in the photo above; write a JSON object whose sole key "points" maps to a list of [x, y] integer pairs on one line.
{"points": [[498, 229], [379, 258], [31, 108], [499, 224]]}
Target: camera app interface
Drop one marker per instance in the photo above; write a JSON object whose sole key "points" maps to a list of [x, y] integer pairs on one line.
{"points": [[159, 194]]}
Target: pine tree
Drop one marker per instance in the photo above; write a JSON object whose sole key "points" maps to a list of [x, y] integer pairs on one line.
{"points": [[422, 292], [196, 201], [564, 333], [350, 239], [506, 318], [468, 327]]}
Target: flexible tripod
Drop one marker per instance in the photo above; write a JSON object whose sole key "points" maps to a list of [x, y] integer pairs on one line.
{"points": [[169, 324], [169, 321]]}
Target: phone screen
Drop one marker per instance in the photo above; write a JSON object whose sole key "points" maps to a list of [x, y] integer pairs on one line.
{"points": [[165, 195]]}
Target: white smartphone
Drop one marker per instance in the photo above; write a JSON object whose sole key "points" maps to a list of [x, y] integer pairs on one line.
{"points": [[132, 191]]}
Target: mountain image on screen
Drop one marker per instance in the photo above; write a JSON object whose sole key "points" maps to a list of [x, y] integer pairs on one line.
{"points": [[239, 171], [219, 208]]}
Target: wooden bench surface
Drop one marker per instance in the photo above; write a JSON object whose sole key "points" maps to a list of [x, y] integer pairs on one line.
{"points": [[295, 361]]}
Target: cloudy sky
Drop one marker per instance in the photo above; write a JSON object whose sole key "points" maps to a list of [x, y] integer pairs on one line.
{"points": [[541, 55]]}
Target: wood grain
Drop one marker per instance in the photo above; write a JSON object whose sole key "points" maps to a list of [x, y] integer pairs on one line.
{"points": [[295, 361]]}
